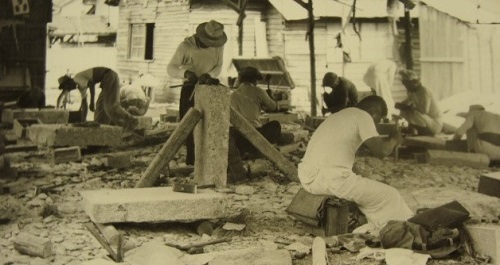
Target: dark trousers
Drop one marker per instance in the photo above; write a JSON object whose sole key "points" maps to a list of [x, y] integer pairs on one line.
{"points": [[184, 105], [271, 131]]}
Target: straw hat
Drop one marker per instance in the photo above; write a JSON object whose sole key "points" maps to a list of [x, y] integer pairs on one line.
{"points": [[211, 33]]}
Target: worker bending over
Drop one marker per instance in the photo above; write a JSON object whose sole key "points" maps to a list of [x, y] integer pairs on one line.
{"points": [[107, 109], [326, 168], [343, 93]]}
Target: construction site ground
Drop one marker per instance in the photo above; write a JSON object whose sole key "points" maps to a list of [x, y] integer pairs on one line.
{"points": [[259, 203]]}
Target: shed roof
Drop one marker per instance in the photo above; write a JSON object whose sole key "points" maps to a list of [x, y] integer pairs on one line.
{"points": [[86, 24], [335, 8], [471, 11]]}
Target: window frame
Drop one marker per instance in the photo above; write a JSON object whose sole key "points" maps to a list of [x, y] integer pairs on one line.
{"points": [[141, 41]]}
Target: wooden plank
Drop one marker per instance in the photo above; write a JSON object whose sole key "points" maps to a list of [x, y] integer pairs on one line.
{"points": [[268, 150], [170, 148]]}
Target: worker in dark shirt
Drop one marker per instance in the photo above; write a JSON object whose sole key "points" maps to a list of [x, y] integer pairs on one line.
{"points": [[344, 93]]}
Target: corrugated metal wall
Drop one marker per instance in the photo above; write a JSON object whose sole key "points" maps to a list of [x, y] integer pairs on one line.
{"points": [[458, 56]]}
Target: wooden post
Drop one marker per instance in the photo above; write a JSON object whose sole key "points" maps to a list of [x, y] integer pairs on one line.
{"points": [[408, 53], [312, 56], [170, 148], [247, 130]]}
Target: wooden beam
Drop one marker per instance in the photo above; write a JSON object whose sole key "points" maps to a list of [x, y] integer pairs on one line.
{"points": [[170, 148], [232, 5], [301, 3], [268, 150], [312, 56]]}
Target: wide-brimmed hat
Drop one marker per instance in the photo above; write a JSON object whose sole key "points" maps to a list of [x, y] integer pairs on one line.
{"points": [[211, 33]]}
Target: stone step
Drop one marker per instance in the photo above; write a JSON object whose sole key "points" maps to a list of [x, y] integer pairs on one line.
{"points": [[159, 204]]}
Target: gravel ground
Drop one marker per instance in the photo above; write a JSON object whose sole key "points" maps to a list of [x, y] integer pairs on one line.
{"points": [[57, 215]]}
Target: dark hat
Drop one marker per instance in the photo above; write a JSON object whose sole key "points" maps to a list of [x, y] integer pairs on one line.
{"points": [[330, 79], [211, 33], [250, 74], [408, 75], [66, 82]]}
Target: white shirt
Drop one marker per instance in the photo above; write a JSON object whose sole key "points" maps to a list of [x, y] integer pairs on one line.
{"points": [[333, 145]]}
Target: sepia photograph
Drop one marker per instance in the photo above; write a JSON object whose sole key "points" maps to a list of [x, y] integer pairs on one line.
{"points": [[249, 132]]}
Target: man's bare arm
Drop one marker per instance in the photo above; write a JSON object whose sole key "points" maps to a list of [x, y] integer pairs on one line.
{"points": [[382, 147]]}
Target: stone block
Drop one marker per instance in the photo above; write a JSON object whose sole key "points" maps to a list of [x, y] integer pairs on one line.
{"points": [[425, 142], [252, 256], [168, 118], [159, 204], [69, 154], [489, 184], [20, 125], [313, 122], [46, 116], [386, 128], [282, 117], [211, 135], [70, 135], [486, 240], [153, 253], [450, 158], [145, 123], [118, 161], [293, 136]]}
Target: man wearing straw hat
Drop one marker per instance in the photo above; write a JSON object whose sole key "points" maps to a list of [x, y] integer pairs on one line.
{"points": [[199, 56]]}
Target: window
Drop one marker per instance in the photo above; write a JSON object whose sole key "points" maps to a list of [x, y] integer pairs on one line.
{"points": [[141, 41]]}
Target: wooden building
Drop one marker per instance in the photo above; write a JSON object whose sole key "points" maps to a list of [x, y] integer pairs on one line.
{"points": [[23, 38], [378, 39], [460, 46], [150, 31]]}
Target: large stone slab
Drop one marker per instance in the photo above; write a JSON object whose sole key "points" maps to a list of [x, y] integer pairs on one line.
{"points": [[479, 205], [486, 240], [47, 116], [70, 135], [450, 158], [158, 204]]}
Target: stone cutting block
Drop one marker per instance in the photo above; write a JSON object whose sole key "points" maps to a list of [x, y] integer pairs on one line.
{"points": [[46, 116], [386, 128], [293, 136], [118, 161], [486, 240], [449, 158], [20, 126], [69, 154], [489, 184], [159, 204], [425, 142], [69, 135]]}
